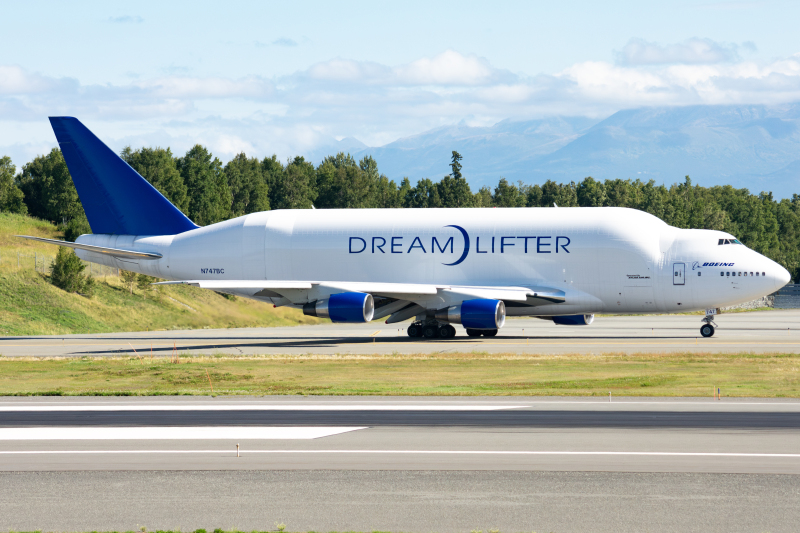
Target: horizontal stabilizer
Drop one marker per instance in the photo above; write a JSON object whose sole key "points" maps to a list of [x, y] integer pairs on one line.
{"points": [[116, 252]]}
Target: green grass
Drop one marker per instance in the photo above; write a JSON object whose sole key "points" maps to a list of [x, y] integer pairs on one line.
{"points": [[30, 305], [464, 374]]}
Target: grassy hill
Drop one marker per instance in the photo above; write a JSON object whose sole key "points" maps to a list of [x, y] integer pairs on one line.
{"points": [[30, 305]]}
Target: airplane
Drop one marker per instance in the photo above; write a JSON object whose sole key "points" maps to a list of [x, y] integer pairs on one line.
{"points": [[435, 267]]}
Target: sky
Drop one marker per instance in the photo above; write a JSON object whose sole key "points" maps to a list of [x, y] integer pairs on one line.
{"points": [[288, 78]]}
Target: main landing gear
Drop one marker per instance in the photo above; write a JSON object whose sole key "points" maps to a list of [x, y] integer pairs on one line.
{"points": [[431, 330], [707, 329]]}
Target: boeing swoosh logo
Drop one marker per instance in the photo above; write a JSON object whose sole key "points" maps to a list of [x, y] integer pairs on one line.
{"points": [[466, 245]]}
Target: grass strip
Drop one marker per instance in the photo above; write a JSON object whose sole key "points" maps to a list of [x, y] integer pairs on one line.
{"points": [[452, 374]]}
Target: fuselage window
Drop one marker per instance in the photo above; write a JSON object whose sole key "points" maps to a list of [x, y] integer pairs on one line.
{"points": [[751, 273], [727, 273], [756, 273], [745, 274], [722, 274], [699, 273], [763, 273], [740, 274]]}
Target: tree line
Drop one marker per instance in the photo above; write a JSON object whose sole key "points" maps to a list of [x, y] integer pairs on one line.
{"points": [[208, 192]]}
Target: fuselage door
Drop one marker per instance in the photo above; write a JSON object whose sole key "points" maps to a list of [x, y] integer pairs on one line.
{"points": [[678, 273]]}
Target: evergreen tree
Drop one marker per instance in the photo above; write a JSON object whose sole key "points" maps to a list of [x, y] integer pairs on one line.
{"points": [[343, 184], [455, 165], [507, 195], [160, 169], [11, 197], [209, 195], [591, 193], [425, 194], [48, 189], [295, 187], [66, 273], [249, 189]]}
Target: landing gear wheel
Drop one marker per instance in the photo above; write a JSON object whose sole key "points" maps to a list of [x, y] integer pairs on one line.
{"points": [[474, 332], [429, 331], [490, 333], [707, 330], [447, 332], [414, 330]]}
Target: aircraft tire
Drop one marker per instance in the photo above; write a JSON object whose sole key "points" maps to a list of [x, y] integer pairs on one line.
{"points": [[474, 332], [447, 331], [707, 330], [429, 332], [414, 330], [490, 333]]}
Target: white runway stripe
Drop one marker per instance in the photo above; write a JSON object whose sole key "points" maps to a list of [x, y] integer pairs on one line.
{"points": [[413, 452], [10, 408], [170, 433]]}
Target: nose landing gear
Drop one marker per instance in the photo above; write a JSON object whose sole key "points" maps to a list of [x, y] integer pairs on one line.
{"points": [[707, 329]]}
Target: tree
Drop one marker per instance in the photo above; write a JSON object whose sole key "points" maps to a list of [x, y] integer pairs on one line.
{"points": [[591, 193], [48, 188], [209, 195], [76, 227], [455, 165], [343, 184], [249, 189], [66, 273], [128, 278], [144, 282], [483, 198], [11, 197], [425, 194], [507, 195], [159, 168], [295, 186], [455, 192]]}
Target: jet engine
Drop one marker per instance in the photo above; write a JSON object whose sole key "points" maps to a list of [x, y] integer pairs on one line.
{"points": [[574, 320], [343, 307], [475, 314]]}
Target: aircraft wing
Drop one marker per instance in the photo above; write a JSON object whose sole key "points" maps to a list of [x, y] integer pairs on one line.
{"points": [[299, 292]]}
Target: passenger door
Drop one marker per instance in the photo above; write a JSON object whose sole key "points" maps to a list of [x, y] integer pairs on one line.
{"points": [[679, 273]]}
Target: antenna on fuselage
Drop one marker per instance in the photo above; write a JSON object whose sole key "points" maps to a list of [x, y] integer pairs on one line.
{"points": [[554, 204]]}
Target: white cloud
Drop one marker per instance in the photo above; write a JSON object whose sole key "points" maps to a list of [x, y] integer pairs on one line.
{"points": [[691, 52], [375, 103], [447, 68], [188, 87]]}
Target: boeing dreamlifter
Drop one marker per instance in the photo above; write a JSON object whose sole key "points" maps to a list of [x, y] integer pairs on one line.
{"points": [[438, 267]]}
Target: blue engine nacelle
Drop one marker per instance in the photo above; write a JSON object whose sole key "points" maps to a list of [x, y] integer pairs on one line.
{"points": [[343, 307], [475, 314], [574, 320]]}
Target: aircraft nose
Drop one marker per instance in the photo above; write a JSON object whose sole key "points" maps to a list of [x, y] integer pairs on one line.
{"points": [[782, 277]]}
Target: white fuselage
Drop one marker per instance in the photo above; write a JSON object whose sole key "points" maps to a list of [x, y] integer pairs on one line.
{"points": [[606, 260]]}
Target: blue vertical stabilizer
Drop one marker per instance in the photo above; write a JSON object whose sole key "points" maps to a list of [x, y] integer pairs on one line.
{"points": [[115, 197]]}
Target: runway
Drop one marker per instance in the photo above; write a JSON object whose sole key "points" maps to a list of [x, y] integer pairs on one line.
{"points": [[758, 332], [400, 464]]}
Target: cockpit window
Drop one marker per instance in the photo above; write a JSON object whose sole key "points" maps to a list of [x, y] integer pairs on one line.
{"points": [[728, 241]]}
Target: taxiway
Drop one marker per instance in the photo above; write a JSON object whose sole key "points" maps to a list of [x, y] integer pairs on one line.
{"points": [[759, 332]]}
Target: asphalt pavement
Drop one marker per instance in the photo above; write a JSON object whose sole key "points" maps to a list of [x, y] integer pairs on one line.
{"points": [[400, 464], [758, 332]]}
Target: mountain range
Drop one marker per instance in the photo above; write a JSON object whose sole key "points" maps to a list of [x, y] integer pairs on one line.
{"points": [[747, 146]]}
